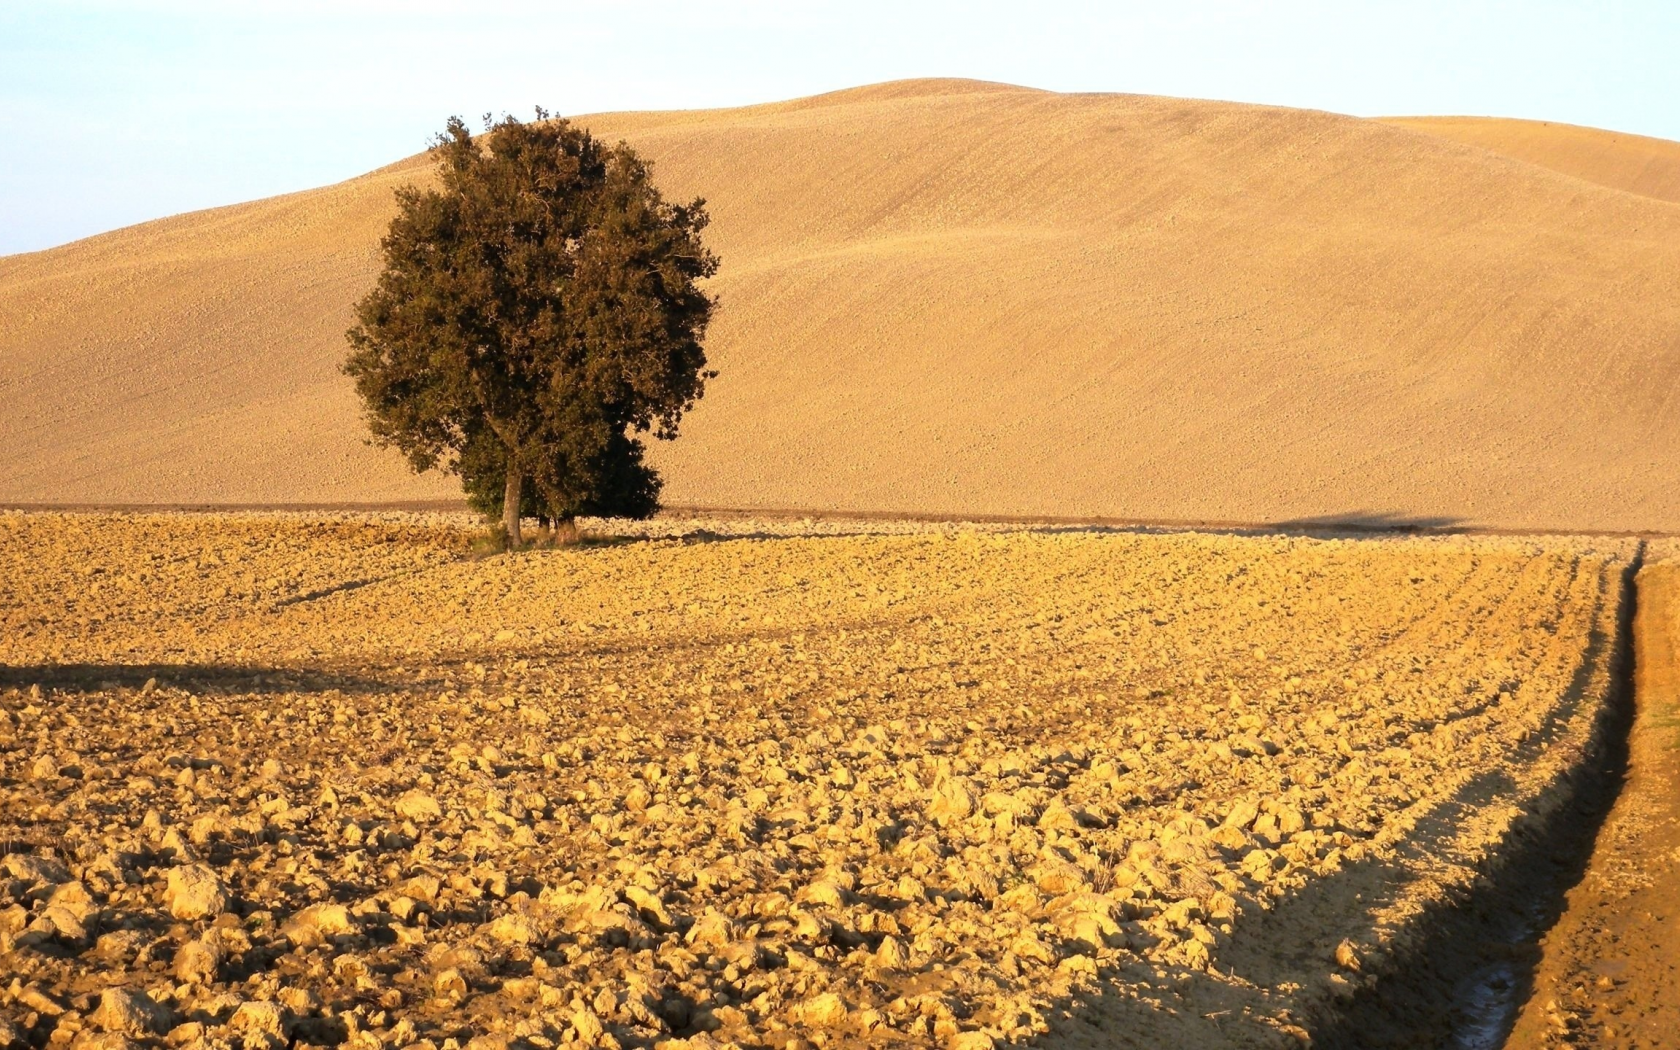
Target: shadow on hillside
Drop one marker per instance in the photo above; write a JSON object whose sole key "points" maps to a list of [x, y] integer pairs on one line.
{"points": [[1351, 521], [219, 678], [1365, 521], [1359, 521]]}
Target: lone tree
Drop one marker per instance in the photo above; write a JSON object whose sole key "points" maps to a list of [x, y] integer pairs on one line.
{"points": [[535, 313]]}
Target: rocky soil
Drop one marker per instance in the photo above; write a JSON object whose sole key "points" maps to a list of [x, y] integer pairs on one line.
{"points": [[286, 780]]}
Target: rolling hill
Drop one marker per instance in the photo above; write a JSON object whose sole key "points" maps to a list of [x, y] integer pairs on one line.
{"points": [[1646, 166], [970, 298]]}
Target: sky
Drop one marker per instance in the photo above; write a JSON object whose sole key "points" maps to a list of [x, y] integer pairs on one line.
{"points": [[115, 113]]}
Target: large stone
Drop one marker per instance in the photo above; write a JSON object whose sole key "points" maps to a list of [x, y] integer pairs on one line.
{"points": [[713, 929], [259, 1021], [200, 961], [953, 799], [128, 1012], [61, 923], [892, 955], [826, 1010], [35, 869], [648, 902], [195, 892], [587, 1026], [1029, 946], [418, 806], [74, 898], [1242, 813], [319, 923], [1056, 876], [513, 928]]}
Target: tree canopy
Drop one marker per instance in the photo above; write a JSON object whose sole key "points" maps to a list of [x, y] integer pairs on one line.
{"points": [[537, 311]]}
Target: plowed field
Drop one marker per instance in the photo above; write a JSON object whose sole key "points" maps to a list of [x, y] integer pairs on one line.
{"points": [[290, 779]]}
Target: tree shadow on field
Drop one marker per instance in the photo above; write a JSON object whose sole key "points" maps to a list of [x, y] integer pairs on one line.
{"points": [[1366, 521], [219, 678], [1352, 521], [709, 536]]}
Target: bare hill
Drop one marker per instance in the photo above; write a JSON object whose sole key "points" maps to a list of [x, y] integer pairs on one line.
{"points": [[948, 296], [1646, 166]]}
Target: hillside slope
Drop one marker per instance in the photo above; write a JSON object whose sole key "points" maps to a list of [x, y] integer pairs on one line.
{"points": [[948, 296], [1646, 166]]}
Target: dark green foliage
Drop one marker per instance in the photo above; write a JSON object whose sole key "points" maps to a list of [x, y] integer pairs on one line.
{"points": [[538, 311], [625, 487]]}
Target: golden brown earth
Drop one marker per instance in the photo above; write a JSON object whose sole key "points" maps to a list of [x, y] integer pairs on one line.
{"points": [[951, 296], [273, 779], [1646, 166]]}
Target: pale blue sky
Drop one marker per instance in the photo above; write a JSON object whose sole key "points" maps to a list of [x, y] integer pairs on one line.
{"points": [[116, 112]]}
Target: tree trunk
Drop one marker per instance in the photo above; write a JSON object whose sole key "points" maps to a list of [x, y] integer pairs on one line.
{"points": [[511, 499], [566, 531]]}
